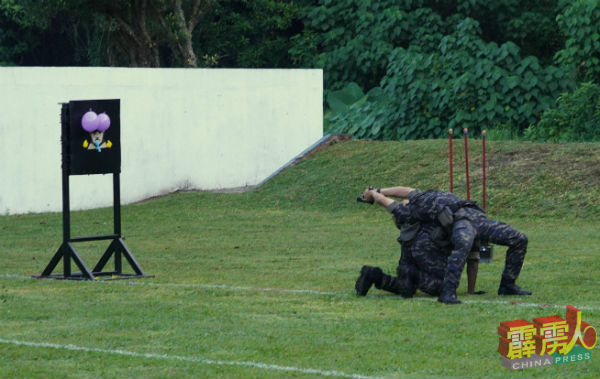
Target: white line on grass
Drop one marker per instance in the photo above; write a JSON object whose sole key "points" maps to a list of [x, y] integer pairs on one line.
{"points": [[515, 303], [15, 276], [329, 293], [259, 365], [316, 292], [241, 288], [205, 286]]}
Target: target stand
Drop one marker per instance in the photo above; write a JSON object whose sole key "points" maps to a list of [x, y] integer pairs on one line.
{"points": [[90, 139]]}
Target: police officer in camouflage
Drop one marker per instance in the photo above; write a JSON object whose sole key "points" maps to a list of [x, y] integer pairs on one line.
{"points": [[421, 265], [464, 222], [425, 251]]}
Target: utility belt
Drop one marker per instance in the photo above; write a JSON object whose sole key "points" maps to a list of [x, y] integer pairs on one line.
{"points": [[437, 234], [444, 215], [453, 212]]}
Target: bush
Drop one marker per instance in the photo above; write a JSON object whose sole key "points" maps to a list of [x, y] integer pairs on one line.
{"points": [[576, 118], [579, 22], [460, 81], [352, 39]]}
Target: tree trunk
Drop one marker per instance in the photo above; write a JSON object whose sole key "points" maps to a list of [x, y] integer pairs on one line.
{"points": [[184, 32], [131, 40]]}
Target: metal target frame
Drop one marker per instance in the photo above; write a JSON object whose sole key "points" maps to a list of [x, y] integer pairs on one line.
{"points": [[78, 160]]}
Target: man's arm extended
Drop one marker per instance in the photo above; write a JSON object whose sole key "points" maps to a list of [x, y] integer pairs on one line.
{"points": [[381, 197], [398, 191]]}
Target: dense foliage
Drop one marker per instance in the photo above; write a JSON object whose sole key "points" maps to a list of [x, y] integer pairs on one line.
{"points": [[393, 69], [580, 23], [148, 33], [575, 118], [463, 82], [436, 65], [352, 39]]}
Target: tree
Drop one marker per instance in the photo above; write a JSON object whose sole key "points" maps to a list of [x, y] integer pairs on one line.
{"points": [[184, 27], [250, 33], [151, 33], [117, 32], [13, 41], [580, 22], [25, 37], [427, 66]]}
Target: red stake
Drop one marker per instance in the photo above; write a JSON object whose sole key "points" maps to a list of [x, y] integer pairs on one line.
{"points": [[465, 132], [483, 139], [451, 173]]}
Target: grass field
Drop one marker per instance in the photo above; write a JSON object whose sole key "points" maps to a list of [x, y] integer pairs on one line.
{"points": [[260, 284]]}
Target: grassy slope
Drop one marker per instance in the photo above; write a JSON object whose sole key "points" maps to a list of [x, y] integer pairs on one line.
{"points": [[303, 230], [523, 179]]}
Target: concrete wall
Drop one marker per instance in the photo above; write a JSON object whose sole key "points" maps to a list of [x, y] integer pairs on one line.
{"points": [[180, 129]]}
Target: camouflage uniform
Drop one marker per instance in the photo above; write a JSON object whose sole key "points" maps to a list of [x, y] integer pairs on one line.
{"points": [[428, 252], [470, 224], [465, 222], [425, 250]]}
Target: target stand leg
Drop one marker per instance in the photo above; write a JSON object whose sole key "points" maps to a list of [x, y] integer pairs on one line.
{"points": [[66, 251], [117, 249]]}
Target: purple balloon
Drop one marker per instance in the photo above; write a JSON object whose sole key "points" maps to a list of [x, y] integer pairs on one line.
{"points": [[103, 121], [90, 121]]}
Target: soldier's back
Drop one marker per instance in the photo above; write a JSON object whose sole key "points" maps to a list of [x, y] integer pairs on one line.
{"points": [[427, 206]]}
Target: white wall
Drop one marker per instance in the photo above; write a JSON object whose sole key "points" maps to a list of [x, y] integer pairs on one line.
{"points": [[180, 129]]}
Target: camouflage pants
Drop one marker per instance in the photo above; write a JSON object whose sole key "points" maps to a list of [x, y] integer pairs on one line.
{"points": [[428, 258], [466, 230]]}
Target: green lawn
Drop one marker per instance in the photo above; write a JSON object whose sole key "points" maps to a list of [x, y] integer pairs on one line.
{"points": [[260, 284]]}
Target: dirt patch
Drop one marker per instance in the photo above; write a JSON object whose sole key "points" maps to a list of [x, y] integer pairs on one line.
{"points": [[331, 140], [567, 162]]}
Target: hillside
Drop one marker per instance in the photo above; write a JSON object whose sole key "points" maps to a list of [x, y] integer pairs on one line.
{"points": [[524, 179]]}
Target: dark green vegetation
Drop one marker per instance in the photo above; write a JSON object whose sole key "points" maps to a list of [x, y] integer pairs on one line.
{"points": [[148, 33], [393, 70], [426, 66], [575, 118], [303, 230]]}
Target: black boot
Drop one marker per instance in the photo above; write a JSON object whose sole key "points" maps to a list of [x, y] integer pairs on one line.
{"points": [[368, 276], [448, 297], [507, 288]]}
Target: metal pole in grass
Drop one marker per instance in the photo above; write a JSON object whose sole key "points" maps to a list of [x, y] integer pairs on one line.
{"points": [[483, 151], [466, 132], [451, 173], [486, 251]]}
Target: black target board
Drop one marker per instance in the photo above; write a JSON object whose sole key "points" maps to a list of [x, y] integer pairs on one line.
{"points": [[91, 144], [93, 137]]}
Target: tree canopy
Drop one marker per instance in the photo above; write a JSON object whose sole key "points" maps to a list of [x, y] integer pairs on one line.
{"points": [[148, 33], [393, 69], [415, 68]]}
